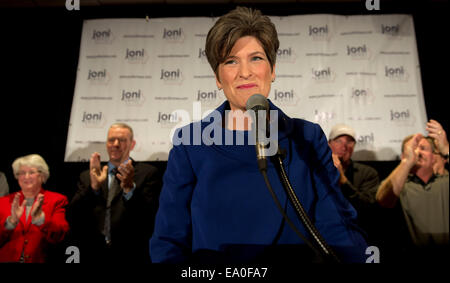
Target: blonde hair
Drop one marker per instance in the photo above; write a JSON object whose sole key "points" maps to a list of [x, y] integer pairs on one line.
{"points": [[32, 160]]}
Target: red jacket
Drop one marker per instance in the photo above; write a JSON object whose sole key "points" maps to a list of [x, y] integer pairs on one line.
{"points": [[27, 237]]}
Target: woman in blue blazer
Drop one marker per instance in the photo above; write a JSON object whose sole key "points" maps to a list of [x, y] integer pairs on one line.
{"points": [[214, 205]]}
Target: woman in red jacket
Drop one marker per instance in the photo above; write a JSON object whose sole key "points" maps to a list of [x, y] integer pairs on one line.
{"points": [[33, 217]]}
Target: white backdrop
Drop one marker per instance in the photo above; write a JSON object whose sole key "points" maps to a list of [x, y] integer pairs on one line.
{"points": [[359, 70]]}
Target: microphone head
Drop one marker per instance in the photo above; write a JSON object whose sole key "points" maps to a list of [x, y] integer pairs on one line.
{"points": [[257, 102]]}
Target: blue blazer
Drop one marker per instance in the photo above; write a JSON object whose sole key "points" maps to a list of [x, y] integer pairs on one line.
{"points": [[214, 200]]}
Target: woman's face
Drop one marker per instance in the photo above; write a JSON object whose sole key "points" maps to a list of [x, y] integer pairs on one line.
{"points": [[30, 179], [246, 71]]}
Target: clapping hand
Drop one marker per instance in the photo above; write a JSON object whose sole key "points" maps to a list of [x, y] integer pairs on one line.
{"points": [[436, 131], [36, 211], [126, 176], [410, 153], [338, 164], [17, 209], [98, 177]]}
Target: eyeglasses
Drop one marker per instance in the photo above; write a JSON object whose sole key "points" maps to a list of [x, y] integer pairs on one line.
{"points": [[24, 173]]}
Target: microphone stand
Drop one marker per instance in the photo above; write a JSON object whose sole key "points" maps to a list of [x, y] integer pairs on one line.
{"points": [[325, 250], [256, 103], [321, 248]]}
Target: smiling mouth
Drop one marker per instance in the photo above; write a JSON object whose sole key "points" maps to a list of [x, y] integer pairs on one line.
{"points": [[246, 86]]}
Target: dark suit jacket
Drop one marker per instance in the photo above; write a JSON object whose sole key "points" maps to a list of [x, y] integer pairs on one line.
{"points": [[362, 185], [131, 220], [360, 190]]}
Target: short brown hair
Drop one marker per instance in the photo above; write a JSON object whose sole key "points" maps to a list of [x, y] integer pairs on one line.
{"points": [[232, 26], [123, 126]]}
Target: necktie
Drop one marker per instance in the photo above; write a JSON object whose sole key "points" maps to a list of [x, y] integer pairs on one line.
{"points": [[113, 187]]}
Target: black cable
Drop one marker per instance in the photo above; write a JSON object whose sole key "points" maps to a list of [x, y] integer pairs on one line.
{"points": [[301, 213], [277, 202]]}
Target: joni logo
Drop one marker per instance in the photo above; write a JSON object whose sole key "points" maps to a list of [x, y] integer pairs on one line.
{"points": [[208, 98], [390, 30], [136, 56], [173, 35], [365, 140], [169, 119], [95, 75], [286, 55], [171, 76], [362, 96], [396, 73], [359, 92], [93, 120], [287, 97], [98, 76], [319, 32], [102, 36], [132, 98], [206, 95], [284, 95], [323, 75], [284, 52], [358, 52], [323, 116], [400, 115], [201, 53], [163, 117]]}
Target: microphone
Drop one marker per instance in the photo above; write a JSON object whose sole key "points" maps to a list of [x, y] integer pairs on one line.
{"points": [[256, 103]]}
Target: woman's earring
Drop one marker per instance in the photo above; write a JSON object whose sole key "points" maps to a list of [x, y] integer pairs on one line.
{"points": [[273, 80]]}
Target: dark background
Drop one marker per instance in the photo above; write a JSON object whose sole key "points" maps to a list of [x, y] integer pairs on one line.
{"points": [[39, 55], [40, 48]]}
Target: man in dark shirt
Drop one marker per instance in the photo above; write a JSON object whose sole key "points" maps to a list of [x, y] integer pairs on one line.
{"points": [[358, 182]]}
